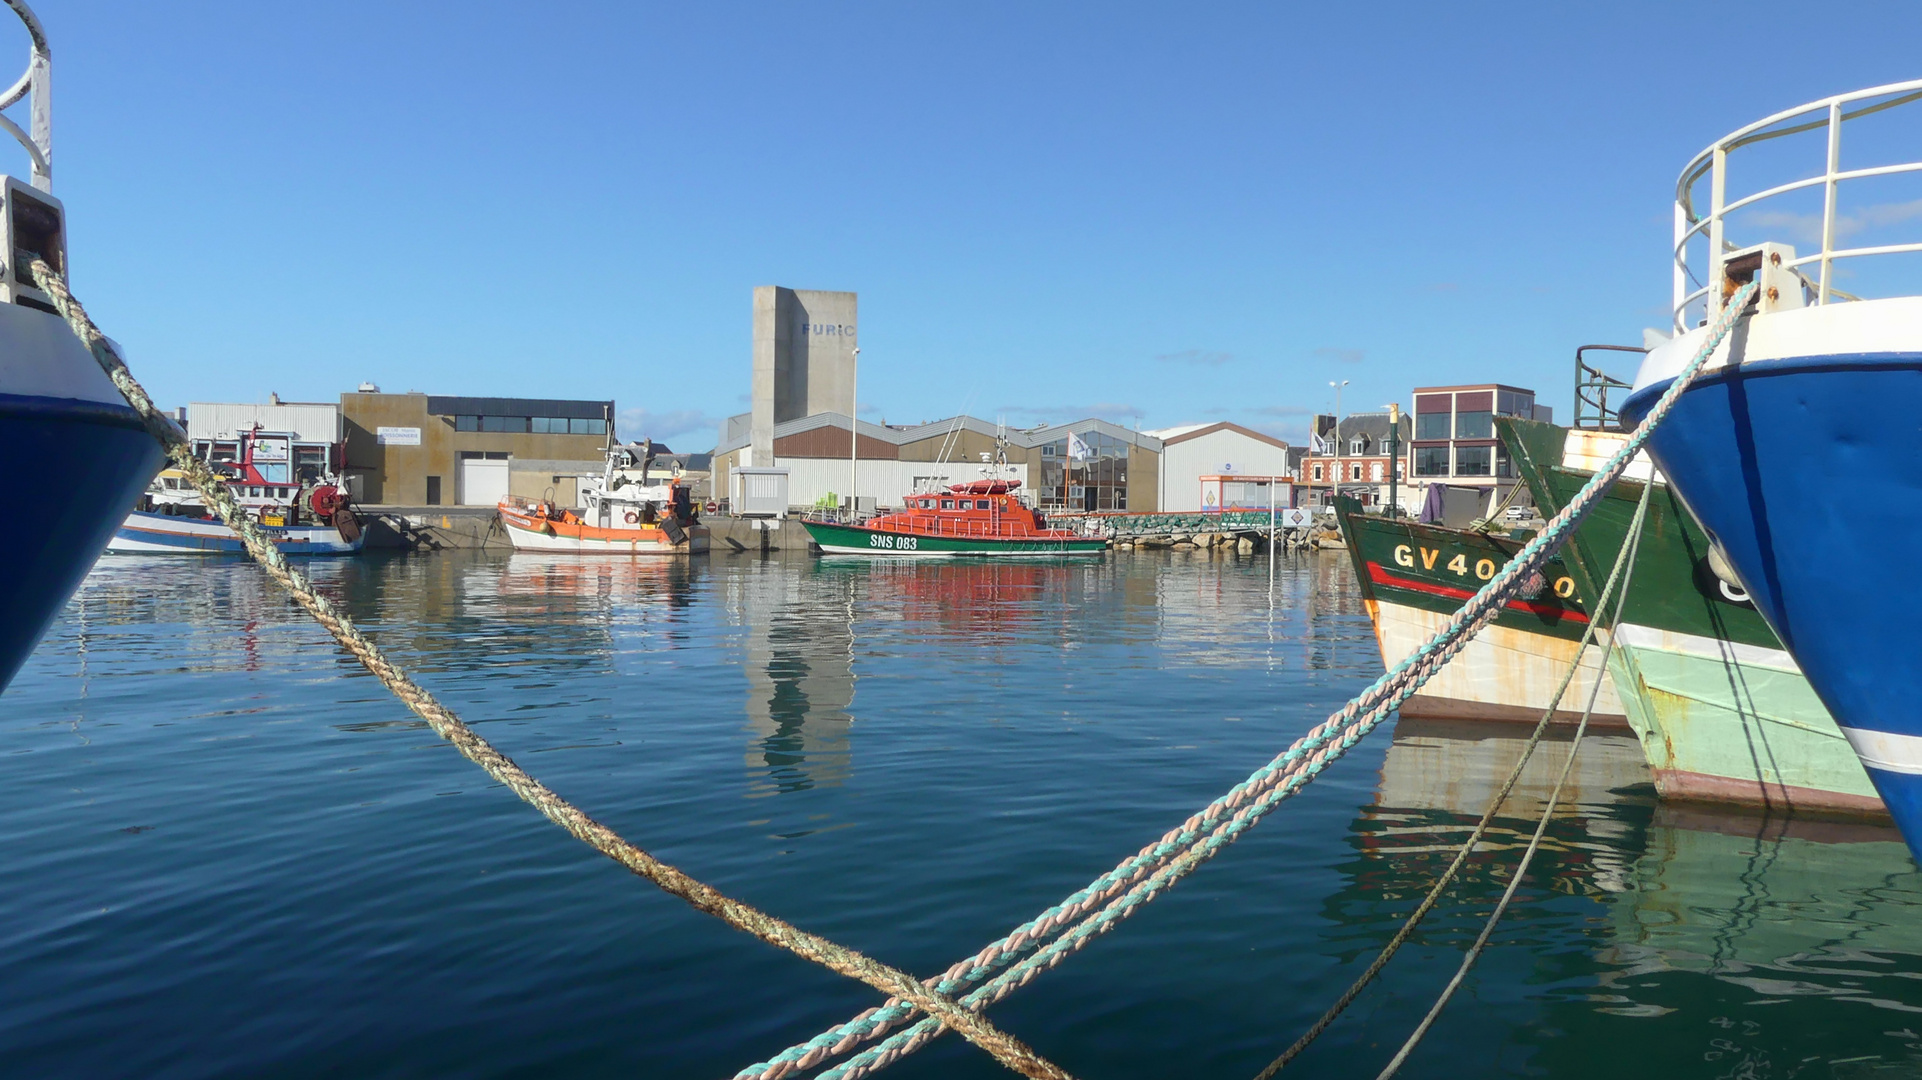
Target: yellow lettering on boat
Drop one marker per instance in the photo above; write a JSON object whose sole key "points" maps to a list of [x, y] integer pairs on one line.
{"points": [[1564, 586], [1485, 569], [1403, 556], [1459, 564], [1428, 558]]}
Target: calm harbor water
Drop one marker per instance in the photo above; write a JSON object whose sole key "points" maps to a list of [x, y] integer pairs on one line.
{"points": [[230, 853]]}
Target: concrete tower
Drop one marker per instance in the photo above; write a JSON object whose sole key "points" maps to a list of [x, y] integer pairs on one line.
{"points": [[804, 344]]}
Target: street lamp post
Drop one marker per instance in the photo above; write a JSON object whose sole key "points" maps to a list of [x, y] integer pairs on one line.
{"points": [[1394, 452], [1335, 489], [854, 439]]}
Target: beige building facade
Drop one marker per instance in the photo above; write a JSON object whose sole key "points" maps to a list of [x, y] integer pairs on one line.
{"points": [[434, 450]]}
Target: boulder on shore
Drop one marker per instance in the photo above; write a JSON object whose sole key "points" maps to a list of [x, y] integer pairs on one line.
{"points": [[1245, 546]]}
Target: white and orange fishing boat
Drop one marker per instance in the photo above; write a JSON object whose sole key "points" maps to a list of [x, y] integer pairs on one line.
{"points": [[620, 514]]}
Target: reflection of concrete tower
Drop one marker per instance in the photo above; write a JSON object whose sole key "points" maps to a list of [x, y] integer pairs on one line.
{"points": [[800, 678], [804, 344]]}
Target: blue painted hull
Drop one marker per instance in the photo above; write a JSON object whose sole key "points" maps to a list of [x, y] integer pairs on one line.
{"points": [[100, 459], [1808, 470]]}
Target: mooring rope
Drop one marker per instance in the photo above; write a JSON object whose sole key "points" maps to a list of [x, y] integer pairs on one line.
{"points": [[1447, 877], [1186, 846], [1006, 1048], [1474, 953]]}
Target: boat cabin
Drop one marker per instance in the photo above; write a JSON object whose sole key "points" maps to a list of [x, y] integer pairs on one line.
{"points": [[982, 508]]}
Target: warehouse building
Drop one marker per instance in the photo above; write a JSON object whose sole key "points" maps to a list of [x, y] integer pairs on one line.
{"points": [[430, 450], [1203, 464], [1086, 465]]}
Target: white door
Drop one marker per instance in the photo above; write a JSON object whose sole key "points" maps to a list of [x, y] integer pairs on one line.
{"points": [[482, 482]]}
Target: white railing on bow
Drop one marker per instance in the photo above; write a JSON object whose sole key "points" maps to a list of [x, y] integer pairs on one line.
{"points": [[35, 85], [1690, 223]]}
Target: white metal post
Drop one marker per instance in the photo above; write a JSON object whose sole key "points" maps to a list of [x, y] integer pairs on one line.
{"points": [[854, 439], [1828, 196], [1681, 264], [1336, 489], [1271, 529], [1718, 194]]}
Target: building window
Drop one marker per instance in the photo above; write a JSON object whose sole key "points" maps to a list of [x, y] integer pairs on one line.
{"points": [[594, 426], [1431, 461], [1354, 471], [1432, 425], [1472, 460], [467, 423], [1474, 425], [1318, 470], [433, 491], [1503, 466], [1359, 445], [1374, 471]]}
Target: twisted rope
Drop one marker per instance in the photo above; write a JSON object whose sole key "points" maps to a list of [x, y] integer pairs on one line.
{"points": [[1213, 827], [1005, 1048], [1622, 558]]}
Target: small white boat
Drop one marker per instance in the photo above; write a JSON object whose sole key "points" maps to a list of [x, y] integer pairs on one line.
{"points": [[169, 534]]}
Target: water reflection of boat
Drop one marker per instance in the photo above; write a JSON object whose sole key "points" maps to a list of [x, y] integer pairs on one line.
{"points": [[1702, 940], [543, 577]]}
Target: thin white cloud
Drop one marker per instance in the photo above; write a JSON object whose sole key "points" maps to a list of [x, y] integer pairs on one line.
{"points": [[1807, 228], [1102, 410], [636, 424]]}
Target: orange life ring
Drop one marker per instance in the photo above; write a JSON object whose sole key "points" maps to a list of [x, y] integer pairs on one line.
{"points": [[632, 517]]}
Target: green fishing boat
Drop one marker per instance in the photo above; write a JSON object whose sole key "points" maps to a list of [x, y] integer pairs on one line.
{"points": [[1414, 578], [983, 518], [1722, 710]]}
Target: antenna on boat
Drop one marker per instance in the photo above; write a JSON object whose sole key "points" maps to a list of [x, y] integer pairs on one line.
{"points": [[32, 221]]}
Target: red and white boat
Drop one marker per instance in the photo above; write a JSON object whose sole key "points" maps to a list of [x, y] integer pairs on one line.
{"points": [[984, 518], [619, 515]]}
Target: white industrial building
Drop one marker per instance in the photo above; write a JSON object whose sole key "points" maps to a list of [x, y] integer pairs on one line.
{"points": [[1196, 458]]}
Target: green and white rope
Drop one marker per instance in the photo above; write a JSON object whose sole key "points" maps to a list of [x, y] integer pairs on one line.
{"points": [[1216, 825]]}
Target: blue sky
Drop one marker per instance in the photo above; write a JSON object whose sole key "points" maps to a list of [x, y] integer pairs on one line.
{"points": [[1155, 214]]}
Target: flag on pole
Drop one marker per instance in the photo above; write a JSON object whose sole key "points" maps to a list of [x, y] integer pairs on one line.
{"points": [[1078, 450]]}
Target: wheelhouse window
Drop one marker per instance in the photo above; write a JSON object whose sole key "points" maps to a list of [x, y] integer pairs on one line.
{"points": [[947, 504]]}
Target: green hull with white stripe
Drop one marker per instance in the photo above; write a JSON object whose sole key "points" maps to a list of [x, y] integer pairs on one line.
{"points": [[1722, 710], [854, 540]]}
